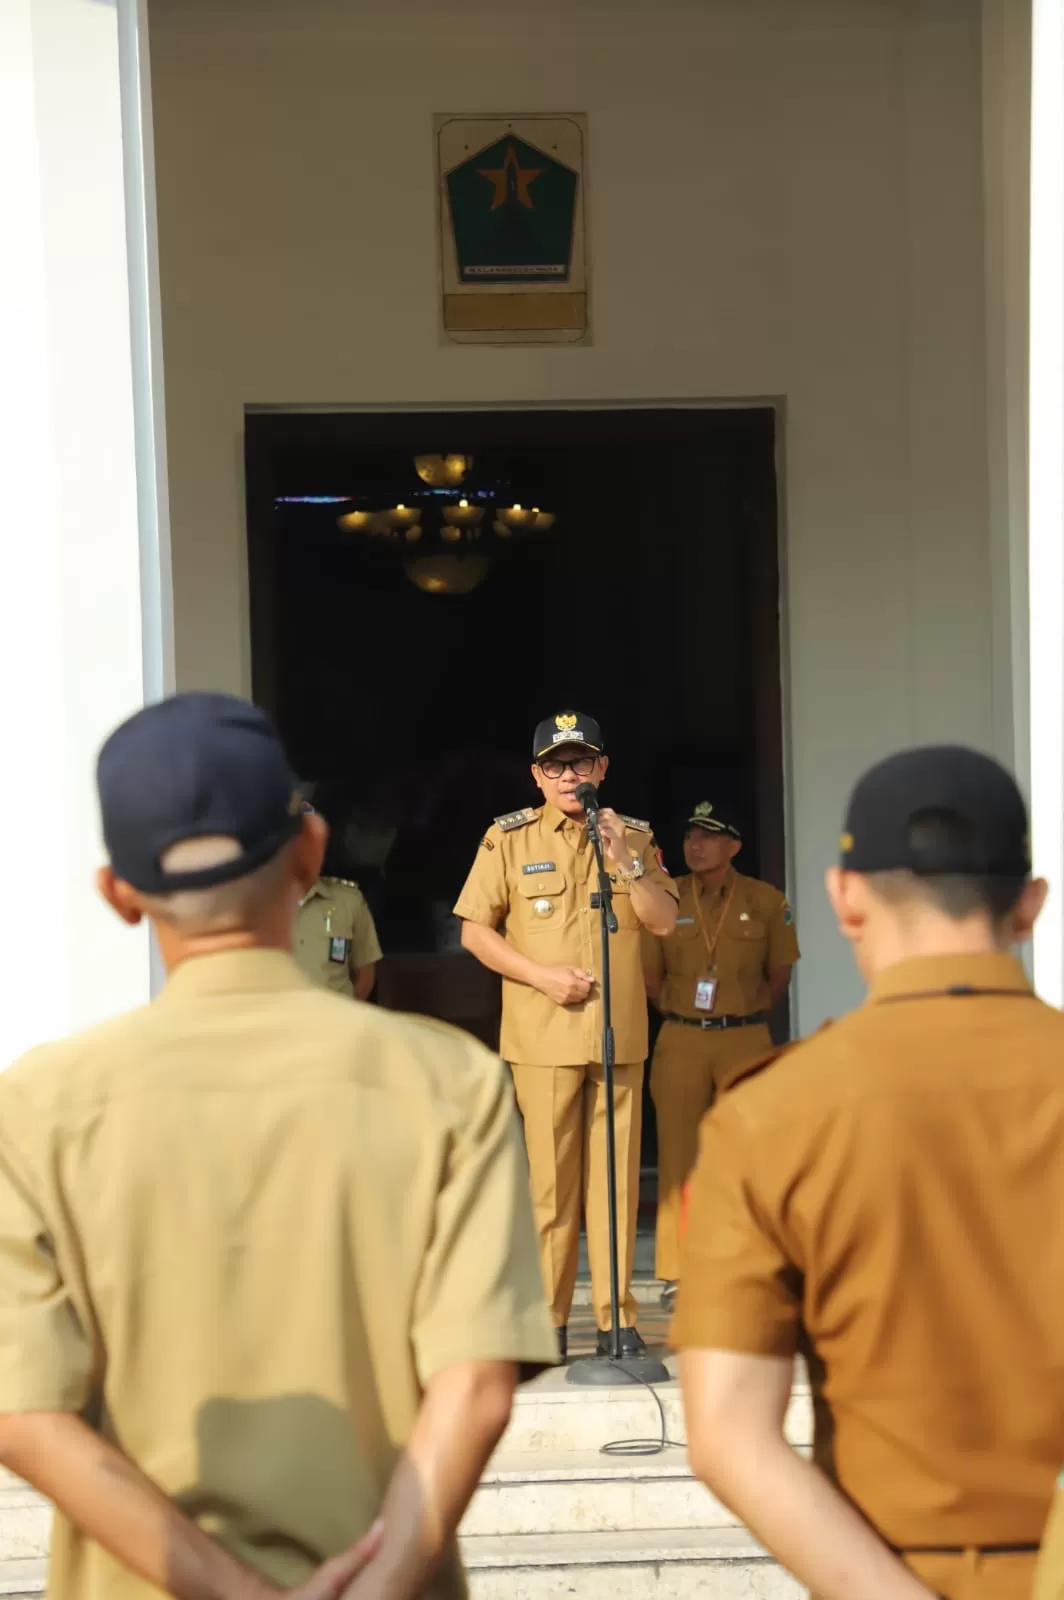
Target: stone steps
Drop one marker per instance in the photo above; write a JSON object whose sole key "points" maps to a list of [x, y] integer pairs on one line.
{"points": [[23, 1578], [575, 1491], [25, 1533], [724, 1563], [25, 1524], [557, 1519], [551, 1415]]}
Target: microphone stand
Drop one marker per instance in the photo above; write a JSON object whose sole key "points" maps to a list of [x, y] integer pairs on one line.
{"points": [[598, 1371]]}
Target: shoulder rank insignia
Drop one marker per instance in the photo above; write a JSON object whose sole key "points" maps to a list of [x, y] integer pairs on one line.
{"points": [[635, 822], [516, 819], [346, 883]]}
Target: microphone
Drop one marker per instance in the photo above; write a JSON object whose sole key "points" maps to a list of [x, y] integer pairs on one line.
{"points": [[587, 795]]}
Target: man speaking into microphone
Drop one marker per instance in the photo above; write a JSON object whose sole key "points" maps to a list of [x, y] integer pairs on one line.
{"points": [[529, 911]]}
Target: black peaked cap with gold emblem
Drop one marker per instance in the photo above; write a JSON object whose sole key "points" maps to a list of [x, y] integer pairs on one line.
{"points": [[568, 727], [713, 820]]}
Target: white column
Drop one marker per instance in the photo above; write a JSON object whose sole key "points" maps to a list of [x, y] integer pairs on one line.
{"points": [[84, 561], [1046, 484]]}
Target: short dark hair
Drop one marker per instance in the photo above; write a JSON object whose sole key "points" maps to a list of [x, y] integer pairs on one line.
{"points": [[933, 835]]}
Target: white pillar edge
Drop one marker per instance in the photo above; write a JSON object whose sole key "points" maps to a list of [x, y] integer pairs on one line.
{"points": [[146, 339], [149, 410], [1046, 485]]}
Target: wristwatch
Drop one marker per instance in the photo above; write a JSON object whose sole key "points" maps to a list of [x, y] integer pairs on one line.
{"points": [[636, 872]]}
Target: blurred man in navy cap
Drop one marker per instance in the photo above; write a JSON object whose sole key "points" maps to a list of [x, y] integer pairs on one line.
{"points": [[886, 1198], [267, 1263]]}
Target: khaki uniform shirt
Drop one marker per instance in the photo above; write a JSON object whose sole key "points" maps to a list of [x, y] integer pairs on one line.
{"points": [[888, 1196], [751, 928], [335, 934], [538, 877], [241, 1228]]}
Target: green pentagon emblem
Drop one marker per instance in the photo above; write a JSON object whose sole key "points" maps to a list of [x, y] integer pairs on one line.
{"points": [[512, 234], [513, 209]]}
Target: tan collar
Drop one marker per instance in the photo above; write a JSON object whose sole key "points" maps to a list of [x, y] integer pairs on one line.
{"points": [[726, 886], [931, 974], [234, 972], [557, 819]]}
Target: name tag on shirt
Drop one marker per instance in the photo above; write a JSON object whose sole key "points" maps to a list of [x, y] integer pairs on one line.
{"points": [[705, 994], [338, 950], [538, 866]]}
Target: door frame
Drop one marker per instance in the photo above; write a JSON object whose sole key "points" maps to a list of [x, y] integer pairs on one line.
{"points": [[755, 425]]}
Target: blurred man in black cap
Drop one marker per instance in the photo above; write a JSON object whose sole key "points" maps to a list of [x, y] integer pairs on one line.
{"points": [[886, 1197], [715, 980], [265, 1255], [535, 872]]}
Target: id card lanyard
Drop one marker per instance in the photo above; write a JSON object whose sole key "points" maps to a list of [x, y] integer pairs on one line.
{"points": [[706, 988]]}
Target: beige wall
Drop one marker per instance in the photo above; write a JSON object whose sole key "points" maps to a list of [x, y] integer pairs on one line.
{"points": [[1006, 154], [786, 199]]}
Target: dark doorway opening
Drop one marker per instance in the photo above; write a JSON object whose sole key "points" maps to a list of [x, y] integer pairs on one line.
{"points": [[653, 605]]}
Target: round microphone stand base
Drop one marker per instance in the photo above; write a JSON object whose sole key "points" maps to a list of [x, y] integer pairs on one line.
{"points": [[603, 1372]]}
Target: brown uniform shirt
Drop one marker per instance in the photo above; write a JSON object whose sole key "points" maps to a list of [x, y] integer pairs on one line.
{"points": [[335, 934], [756, 936], [538, 877], [240, 1229], [890, 1194]]}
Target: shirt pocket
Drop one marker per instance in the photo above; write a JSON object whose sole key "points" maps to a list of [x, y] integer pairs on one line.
{"points": [[685, 948], [542, 902], [340, 924], [750, 944]]}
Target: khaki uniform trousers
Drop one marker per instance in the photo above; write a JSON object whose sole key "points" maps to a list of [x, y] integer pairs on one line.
{"points": [[564, 1113], [690, 1067], [973, 1574]]}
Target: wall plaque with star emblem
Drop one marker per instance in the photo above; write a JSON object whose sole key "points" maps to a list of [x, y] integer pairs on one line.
{"points": [[512, 237]]}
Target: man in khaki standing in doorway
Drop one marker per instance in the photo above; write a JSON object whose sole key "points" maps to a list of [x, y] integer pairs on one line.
{"points": [[535, 878], [336, 941], [715, 980]]}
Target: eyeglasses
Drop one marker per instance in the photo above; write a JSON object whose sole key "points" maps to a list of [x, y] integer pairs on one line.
{"points": [[580, 766]]}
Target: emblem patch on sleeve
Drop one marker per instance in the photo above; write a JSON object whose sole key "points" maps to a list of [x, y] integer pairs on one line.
{"points": [[486, 844]]}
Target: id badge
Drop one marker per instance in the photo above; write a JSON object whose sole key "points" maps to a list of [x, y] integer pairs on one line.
{"points": [[705, 994], [338, 951]]}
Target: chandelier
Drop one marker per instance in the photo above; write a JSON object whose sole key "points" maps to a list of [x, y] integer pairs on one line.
{"points": [[449, 526]]}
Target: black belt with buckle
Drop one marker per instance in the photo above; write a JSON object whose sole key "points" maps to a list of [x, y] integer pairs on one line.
{"points": [[715, 1023]]}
